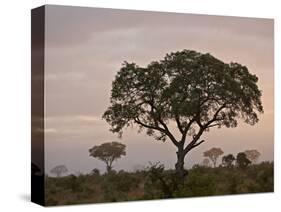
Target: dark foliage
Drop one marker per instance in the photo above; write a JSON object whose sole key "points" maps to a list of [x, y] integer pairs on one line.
{"points": [[242, 161], [228, 160], [195, 91], [160, 183], [108, 153]]}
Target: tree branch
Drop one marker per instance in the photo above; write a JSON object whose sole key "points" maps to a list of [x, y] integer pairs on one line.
{"points": [[186, 130], [168, 133], [215, 116], [179, 124], [193, 143], [213, 125], [197, 144], [195, 139], [165, 130], [137, 120]]}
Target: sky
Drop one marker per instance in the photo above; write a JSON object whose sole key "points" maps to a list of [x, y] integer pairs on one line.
{"points": [[85, 48]]}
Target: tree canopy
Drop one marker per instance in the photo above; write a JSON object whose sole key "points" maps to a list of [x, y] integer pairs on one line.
{"points": [[253, 155], [108, 152], [195, 91], [59, 170], [228, 160], [242, 161], [213, 154]]}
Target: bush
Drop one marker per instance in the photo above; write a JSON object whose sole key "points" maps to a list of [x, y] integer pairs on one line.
{"points": [[160, 183]]}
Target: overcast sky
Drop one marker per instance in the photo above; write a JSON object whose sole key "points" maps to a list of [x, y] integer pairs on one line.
{"points": [[85, 48]]}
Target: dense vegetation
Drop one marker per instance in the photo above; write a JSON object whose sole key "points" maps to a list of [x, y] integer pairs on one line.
{"points": [[155, 182]]}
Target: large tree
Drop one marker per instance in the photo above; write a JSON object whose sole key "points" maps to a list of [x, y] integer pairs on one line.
{"points": [[194, 91], [108, 153]]}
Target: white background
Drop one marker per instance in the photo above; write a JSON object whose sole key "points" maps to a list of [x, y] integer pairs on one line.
{"points": [[15, 104]]}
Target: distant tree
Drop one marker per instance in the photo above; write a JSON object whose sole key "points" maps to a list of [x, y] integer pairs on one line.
{"points": [[95, 172], [228, 160], [206, 162], [193, 90], [253, 155], [108, 153], [59, 170], [242, 161], [213, 154]]}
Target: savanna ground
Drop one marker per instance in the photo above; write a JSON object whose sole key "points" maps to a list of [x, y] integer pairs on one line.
{"points": [[155, 182]]}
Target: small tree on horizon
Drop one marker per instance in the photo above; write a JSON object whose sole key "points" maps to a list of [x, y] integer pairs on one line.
{"points": [[59, 170], [228, 160], [108, 153], [242, 161], [95, 171], [253, 155], [213, 154]]}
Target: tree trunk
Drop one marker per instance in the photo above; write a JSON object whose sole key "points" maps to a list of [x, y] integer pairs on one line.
{"points": [[181, 172], [108, 168]]}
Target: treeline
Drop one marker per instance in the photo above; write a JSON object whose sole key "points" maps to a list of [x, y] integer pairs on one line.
{"points": [[112, 151], [242, 159], [217, 174]]}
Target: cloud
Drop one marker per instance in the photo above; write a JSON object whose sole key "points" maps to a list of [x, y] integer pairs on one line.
{"points": [[72, 76], [71, 26], [88, 119]]}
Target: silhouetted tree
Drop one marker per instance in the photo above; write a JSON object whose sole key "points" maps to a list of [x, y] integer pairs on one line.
{"points": [[59, 170], [213, 154], [195, 91], [108, 153], [95, 172], [242, 161], [228, 160], [253, 155]]}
